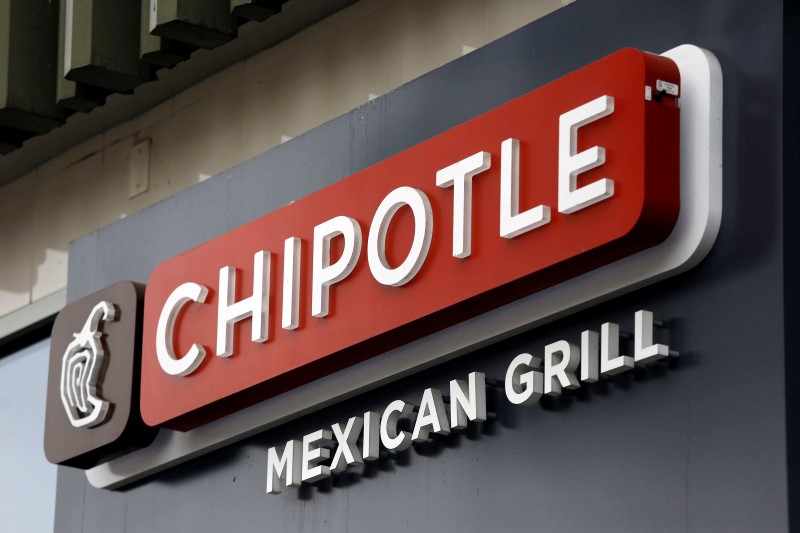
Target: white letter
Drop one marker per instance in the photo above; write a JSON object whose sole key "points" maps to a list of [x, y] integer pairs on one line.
{"points": [[376, 242], [468, 406], [256, 306], [560, 371], [283, 470], [611, 362], [512, 222], [291, 283], [533, 381], [390, 437], [589, 357], [347, 452], [165, 347], [372, 436], [431, 417], [459, 175], [313, 454], [572, 198], [323, 273], [644, 349]]}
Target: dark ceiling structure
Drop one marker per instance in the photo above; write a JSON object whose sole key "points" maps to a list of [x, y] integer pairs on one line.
{"points": [[63, 58]]}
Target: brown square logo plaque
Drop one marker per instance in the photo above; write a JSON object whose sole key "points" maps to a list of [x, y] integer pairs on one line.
{"points": [[93, 381]]}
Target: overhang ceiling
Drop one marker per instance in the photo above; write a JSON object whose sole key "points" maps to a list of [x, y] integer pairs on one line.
{"points": [[71, 68]]}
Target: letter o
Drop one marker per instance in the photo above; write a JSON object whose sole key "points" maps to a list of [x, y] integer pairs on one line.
{"points": [[423, 229]]}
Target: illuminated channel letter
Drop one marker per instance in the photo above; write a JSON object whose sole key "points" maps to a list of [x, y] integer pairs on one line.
{"points": [[512, 222], [323, 273], [165, 347], [256, 306], [572, 198], [283, 470], [376, 242], [559, 370], [290, 316], [459, 176], [524, 387]]}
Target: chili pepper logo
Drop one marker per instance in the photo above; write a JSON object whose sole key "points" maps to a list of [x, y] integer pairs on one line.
{"points": [[81, 369]]}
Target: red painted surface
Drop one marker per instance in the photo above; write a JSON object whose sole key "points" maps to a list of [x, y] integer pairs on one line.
{"points": [[641, 139]]}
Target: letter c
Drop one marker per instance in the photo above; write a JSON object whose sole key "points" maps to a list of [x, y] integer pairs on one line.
{"points": [[165, 347]]}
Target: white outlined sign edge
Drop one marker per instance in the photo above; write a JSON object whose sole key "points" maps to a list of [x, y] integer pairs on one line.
{"points": [[694, 233]]}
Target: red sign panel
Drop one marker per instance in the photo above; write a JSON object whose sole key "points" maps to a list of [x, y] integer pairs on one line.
{"points": [[567, 178]]}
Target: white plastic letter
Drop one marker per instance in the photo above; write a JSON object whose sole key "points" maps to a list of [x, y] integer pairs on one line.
{"points": [[372, 436], [376, 242], [346, 450], [611, 362], [324, 274], [283, 470], [468, 402], [314, 453], [291, 283], [165, 347], [432, 416], [590, 342], [644, 349], [459, 176], [560, 371], [512, 222], [390, 437], [572, 198], [524, 388], [256, 306]]}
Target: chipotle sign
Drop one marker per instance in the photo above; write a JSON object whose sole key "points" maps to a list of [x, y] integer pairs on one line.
{"points": [[565, 179]]}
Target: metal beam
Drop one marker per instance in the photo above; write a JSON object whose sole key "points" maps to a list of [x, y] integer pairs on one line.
{"points": [[28, 66], [203, 23], [258, 10], [78, 52], [100, 46], [160, 51]]}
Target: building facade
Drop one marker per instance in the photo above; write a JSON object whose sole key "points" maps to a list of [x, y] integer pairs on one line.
{"points": [[705, 441]]}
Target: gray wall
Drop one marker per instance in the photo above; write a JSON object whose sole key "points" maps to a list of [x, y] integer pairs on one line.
{"points": [[699, 446]]}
